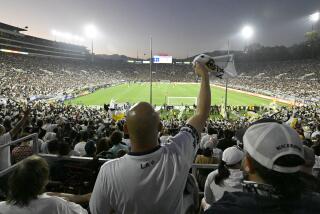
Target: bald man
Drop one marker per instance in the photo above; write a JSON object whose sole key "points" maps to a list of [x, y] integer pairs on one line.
{"points": [[151, 178]]}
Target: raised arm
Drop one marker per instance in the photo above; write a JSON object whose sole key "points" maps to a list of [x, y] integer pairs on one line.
{"points": [[21, 123], [198, 121]]}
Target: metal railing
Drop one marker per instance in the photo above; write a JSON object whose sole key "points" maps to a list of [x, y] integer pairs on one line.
{"points": [[34, 137], [203, 166], [35, 149], [70, 158]]}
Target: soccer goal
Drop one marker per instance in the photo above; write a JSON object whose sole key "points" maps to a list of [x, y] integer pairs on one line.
{"points": [[181, 101]]}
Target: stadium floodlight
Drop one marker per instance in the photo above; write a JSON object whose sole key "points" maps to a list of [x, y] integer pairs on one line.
{"points": [[315, 17], [91, 31], [247, 32], [54, 32], [77, 38], [66, 36]]}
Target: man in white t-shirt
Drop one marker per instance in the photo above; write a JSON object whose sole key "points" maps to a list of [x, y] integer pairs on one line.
{"points": [[151, 178], [5, 139], [80, 147], [211, 136]]}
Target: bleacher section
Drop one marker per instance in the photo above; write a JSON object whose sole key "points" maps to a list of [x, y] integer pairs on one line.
{"points": [[13, 40]]}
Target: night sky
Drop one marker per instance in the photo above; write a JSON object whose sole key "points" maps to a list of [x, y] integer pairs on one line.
{"points": [[179, 27]]}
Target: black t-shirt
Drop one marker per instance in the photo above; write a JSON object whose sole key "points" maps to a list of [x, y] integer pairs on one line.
{"points": [[311, 183], [316, 149], [250, 203]]}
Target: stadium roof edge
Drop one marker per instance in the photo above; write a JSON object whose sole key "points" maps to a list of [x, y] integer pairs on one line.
{"points": [[11, 27]]}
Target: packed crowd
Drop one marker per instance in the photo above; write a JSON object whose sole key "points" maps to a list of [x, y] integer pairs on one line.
{"points": [[263, 167], [24, 76], [91, 132], [301, 91], [136, 159], [292, 80]]}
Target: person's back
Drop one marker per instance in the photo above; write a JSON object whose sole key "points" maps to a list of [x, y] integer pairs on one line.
{"points": [[254, 203], [43, 204], [80, 146], [25, 196], [204, 158], [151, 178], [211, 136], [230, 184], [227, 141], [5, 140], [21, 152], [274, 156], [117, 144], [115, 148], [151, 182], [227, 178], [310, 182]]}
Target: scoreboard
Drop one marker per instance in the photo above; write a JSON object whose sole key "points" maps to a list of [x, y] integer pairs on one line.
{"points": [[162, 59]]}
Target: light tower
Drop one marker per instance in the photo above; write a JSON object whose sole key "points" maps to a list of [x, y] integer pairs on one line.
{"points": [[247, 33], [314, 18], [91, 33]]}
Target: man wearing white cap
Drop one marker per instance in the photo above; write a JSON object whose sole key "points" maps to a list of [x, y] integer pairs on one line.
{"points": [[273, 157], [227, 177]]}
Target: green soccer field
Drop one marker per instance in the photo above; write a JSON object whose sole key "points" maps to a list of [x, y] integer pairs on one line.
{"points": [[136, 92]]}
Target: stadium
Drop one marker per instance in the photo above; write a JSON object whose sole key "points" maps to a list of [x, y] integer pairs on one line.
{"points": [[214, 130]]}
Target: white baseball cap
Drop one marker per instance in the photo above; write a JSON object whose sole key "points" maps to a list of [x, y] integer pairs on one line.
{"points": [[266, 142], [232, 155]]}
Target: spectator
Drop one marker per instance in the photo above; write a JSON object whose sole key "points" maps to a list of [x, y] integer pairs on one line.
{"points": [[21, 152], [207, 155], [212, 136], [205, 158], [227, 178], [227, 141], [117, 144], [158, 173], [79, 147], [90, 149], [103, 145], [26, 187], [53, 147], [47, 138], [274, 154], [310, 182], [5, 139]]}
